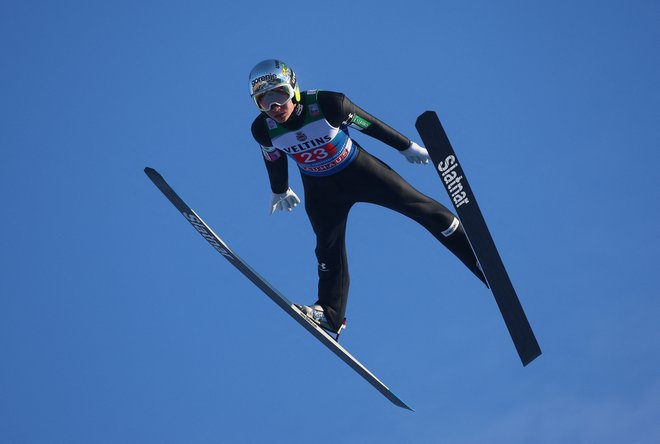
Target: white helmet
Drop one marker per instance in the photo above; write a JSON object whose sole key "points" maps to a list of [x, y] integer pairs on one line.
{"points": [[273, 82]]}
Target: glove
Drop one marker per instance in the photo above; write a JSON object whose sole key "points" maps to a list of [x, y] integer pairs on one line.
{"points": [[416, 154], [283, 201]]}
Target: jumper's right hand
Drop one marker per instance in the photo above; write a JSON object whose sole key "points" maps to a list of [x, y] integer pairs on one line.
{"points": [[283, 201]]}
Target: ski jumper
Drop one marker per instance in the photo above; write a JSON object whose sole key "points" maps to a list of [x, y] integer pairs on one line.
{"points": [[336, 173]]}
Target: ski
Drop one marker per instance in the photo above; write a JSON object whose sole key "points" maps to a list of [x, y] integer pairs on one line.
{"points": [[457, 186], [221, 247]]}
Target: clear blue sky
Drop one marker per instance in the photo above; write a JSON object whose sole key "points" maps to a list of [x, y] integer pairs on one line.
{"points": [[118, 323]]}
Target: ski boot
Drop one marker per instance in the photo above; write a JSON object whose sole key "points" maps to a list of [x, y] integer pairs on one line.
{"points": [[315, 314]]}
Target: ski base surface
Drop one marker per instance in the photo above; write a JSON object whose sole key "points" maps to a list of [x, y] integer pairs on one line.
{"points": [[221, 247], [458, 188]]}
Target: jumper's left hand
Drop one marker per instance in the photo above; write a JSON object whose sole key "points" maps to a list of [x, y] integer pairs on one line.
{"points": [[416, 154]]}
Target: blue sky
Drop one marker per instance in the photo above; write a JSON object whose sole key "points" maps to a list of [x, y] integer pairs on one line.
{"points": [[118, 323]]}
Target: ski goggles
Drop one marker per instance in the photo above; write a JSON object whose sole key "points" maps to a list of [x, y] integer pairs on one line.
{"points": [[279, 96]]}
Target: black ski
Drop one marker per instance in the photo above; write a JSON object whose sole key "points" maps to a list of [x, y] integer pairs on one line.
{"points": [[268, 289], [456, 184]]}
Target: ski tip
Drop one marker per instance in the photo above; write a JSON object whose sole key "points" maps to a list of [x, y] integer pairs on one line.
{"points": [[153, 174], [426, 114]]}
